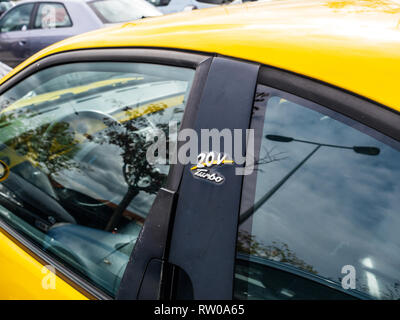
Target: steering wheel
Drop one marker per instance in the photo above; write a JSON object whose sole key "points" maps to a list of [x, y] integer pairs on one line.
{"points": [[82, 123], [78, 127]]}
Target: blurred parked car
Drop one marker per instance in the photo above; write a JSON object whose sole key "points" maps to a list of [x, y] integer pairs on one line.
{"points": [[33, 25], [5, 5], [169, 6]]}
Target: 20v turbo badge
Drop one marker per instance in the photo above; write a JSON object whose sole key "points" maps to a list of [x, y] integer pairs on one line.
{"points": [[206, 166]]}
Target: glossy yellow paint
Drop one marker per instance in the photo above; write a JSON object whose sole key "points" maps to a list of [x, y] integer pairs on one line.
{"points": [[22, 276], [353, 44]]}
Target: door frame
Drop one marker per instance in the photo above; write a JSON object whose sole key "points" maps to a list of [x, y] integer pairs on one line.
{"points": [[199, 62]]}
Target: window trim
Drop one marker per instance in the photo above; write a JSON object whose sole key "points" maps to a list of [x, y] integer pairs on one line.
{"points": [[36, 11], [358, 108], [155, 56], [145, 55]]}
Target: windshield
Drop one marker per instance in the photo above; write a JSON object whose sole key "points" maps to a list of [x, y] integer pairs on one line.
{"points": [[114, 11]]}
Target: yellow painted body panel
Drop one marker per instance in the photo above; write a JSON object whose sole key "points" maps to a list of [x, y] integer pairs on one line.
{"points": [[353, 44], [21, 276]]}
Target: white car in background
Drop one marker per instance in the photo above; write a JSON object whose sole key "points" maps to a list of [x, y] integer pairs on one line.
{"points": [[170, 6]]}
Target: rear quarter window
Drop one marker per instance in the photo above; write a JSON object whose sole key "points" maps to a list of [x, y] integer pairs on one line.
{"points": [[325, 208]]}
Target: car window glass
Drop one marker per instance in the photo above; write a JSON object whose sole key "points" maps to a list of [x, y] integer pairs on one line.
{"points": [[325, 209], [113, 11], [52, 15], [17, 19], [79, 184]]}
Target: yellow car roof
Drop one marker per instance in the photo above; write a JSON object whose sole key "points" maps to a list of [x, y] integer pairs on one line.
{"points": [[353, 44]]}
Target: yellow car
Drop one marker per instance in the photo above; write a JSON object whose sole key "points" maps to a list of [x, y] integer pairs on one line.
{"points": [[304, 97]]}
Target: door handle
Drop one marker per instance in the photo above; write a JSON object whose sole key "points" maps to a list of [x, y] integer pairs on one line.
{"points": [[22, 42]]}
